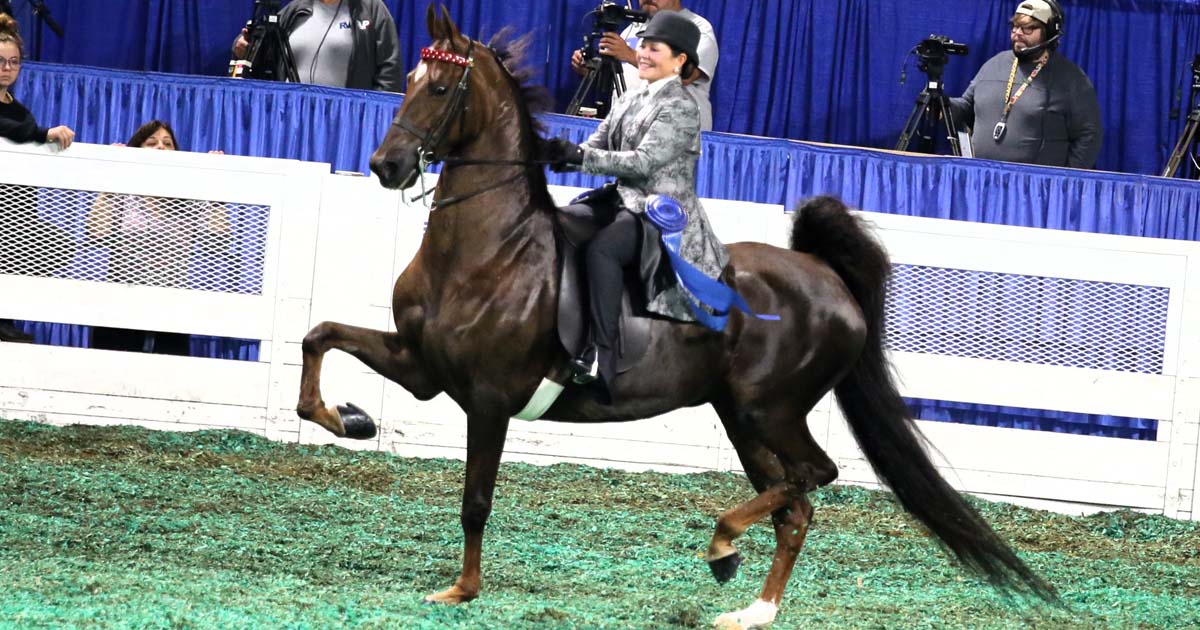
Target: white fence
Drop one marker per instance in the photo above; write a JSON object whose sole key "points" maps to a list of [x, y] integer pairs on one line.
{"points": [[334, 244]]}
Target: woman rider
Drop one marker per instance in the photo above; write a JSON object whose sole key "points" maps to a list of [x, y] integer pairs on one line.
{"points": [[650, 142]]}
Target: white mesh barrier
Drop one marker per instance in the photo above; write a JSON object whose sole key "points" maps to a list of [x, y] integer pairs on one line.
{"points": [[1027, 319], [132, 239]]}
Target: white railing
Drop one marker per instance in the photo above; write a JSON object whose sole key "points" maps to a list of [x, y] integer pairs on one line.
{"points": [[334, 244]]}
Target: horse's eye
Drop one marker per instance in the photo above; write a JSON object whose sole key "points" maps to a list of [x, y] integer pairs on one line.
{"points": [[439, 90]]}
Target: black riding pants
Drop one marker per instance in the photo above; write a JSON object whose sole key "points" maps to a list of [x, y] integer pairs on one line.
{"points": [[614, 248]]}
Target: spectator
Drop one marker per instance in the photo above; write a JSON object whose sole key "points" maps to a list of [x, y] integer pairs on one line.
{"points": [[29, 245], [622, 47], [1030, 104], [340, 43], [151, 242]]}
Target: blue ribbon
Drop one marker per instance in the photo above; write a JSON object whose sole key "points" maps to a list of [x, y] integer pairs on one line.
{"points": [[698, 288]]}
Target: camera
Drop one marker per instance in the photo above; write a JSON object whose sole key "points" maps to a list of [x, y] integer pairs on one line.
{"points": [[265, 12], [269, 55], [609, 17], [934, 51], [939, 47]]}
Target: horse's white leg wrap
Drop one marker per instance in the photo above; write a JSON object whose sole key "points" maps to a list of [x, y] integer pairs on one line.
{"points": [[756, 615]]}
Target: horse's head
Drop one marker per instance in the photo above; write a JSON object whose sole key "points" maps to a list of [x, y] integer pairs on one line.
{"points": [[450, 94]]}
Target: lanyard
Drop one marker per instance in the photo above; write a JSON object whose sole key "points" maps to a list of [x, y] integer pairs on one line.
{"points": [[1011, 99]]}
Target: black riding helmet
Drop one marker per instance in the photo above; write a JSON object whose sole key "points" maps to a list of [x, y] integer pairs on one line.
{"points": [[675, 30]]}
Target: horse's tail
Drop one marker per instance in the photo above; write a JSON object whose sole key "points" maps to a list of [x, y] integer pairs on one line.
{"points": [[881, 422]]}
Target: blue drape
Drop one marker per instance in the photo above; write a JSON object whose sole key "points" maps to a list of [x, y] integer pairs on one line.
{"points": [[820, 70], [342, 127]]}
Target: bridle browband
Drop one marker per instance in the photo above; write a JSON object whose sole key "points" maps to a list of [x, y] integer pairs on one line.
{"points": [[430, 140]]}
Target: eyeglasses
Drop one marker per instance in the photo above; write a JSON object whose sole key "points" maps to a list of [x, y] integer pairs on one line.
{"points": [[1026, 29], [14, 63]]}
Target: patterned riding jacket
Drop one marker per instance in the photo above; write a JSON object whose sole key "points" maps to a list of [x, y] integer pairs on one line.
{"points": [[650, 142]]}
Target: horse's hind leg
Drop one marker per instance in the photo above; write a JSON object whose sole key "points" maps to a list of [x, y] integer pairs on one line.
{"points": [[766, 475], [386, 353], [784, 462]]}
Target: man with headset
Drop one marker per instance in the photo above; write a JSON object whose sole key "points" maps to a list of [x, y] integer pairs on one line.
{"points": [[1030, 104], [341, 43]]}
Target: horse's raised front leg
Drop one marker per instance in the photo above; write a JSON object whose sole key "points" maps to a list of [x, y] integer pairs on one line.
{"points": [[485, 444], [386, 353]]}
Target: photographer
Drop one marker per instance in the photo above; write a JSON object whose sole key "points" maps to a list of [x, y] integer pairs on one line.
{"points": [[340, 43], [621, 47], [1030, 104]]}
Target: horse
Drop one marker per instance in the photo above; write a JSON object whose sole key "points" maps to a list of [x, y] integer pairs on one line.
{"points": [[475, 315]]}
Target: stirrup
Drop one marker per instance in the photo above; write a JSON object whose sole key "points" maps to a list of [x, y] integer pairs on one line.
{"points": [[585, 368]]}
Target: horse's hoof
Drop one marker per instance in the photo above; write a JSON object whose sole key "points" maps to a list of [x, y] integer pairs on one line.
{"points": [[724, 569], [358, 425]]}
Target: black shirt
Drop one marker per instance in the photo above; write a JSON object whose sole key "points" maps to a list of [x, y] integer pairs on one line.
{"points": [[17, 123]]}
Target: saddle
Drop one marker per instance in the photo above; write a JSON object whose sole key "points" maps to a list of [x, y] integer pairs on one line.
{"points": [[572, 232]]}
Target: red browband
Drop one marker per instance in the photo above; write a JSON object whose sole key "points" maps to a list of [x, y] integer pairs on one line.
{"points": [[441, 55]]}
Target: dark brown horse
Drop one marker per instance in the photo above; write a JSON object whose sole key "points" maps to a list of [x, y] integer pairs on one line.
{"points": [[476, 312]]}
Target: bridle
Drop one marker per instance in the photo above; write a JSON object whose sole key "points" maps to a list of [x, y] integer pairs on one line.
{"points": [[458, 105], [426, 151]]}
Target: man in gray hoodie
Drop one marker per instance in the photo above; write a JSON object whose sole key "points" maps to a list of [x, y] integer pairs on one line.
{"points": [[1030, 104]]}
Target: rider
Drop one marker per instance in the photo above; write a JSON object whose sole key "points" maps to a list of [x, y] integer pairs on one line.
{"points": [[650, 142]]}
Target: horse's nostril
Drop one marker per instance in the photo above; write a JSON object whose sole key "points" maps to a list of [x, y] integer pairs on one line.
{"points": [[383, 168]]}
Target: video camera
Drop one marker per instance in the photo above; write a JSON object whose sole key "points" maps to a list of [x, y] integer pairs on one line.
{"points": [[269, 56], [935, 50], [609, 17]]}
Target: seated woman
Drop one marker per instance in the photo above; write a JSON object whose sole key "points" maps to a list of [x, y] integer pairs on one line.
{"points": [[20, 253], [150, 242], [650, 142]]}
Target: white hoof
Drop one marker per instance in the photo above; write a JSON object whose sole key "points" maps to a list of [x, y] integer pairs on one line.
{"points": [[756, 615]]}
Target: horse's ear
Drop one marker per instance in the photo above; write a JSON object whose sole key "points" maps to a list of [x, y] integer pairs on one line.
{"points": [[451, 29], [432, 24]]}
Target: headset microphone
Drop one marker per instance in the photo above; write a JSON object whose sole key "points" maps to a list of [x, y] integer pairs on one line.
{"points": [[1033, 51]]}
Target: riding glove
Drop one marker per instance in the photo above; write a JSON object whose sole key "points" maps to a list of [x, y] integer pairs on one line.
{"points": [[563, 154]]}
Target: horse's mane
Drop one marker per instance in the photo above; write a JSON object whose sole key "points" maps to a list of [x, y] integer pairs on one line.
{"points": [[510, 51]]}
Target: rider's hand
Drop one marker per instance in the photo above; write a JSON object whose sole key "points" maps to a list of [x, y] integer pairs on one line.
{"points": [[577, 62], [240, 46], [613, 46], [562, 154], [61, 135]]}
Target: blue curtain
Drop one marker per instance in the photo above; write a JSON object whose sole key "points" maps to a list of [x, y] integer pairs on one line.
{"points": [[255, 118], [820, 70], [342, 127]]}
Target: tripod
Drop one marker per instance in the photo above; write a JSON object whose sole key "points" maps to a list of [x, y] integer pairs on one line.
{"points": [[269, 56], [1187, 140], [43, 19], [930, 102], [605, 75]]}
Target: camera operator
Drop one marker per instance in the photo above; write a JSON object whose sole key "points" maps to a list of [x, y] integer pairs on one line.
{"points": [[340, 43], [621, 47], [1030, 104]]}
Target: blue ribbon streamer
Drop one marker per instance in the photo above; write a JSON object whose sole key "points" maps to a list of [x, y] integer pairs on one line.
{"points": [[698, 288]]}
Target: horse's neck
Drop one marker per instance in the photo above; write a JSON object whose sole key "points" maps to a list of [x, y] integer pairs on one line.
{"points": [[488, 229]]}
